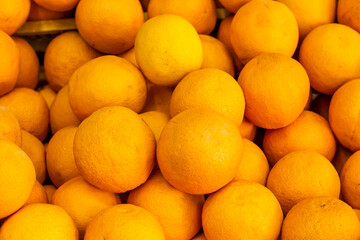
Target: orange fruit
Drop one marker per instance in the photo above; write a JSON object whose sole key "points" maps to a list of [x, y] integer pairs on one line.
{"points": [[30, 109], [107, 32], [103, 157], [167, 47], [82, 201], [247, 129], [37, 195], [58, 6], [212, 89], [29, 65], [156, 121], [48, 94], [337, 49], [199, 151], [263, 26], [254, 165], [300, 175], [276, 89], [49, 190], [179, 213], [348, 13], [39, 221], [201, 14], [64, 54], [357, 211], [13, 15], [124, 221], [200, 236], [350, 180], [158, 98], [130, 56], [242, 210], [321, 105], [233, 5], [216, 55], [341, 156], [16, 179], [60, 160], [344, 115], [321, 218], [309, 131], [9, 127], [38, 13], [61, 114], [9, 63], [106, 81], [34, 148]]}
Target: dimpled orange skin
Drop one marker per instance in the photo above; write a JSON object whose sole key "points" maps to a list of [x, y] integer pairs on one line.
{"points": [[259, 20], [48, 94], [59, 5], [39, 221], [201, 13], [337, 60], [107, 32], [344, 115], [309, 131], [212, 89], [200, 236], [321, 218], [233, 5], [106, 81], [13, 15], [350, 180], [130, 56], [38, 13], [126, 222], [276, 89], [242, 210], [199, 151], [17, 178], [105, 159], [247, 129], [156, 121], [37, 195], [158, 98], [300, 175], [30, 109], [357, 211], [9, 127], [179, 213], [348, 13]]}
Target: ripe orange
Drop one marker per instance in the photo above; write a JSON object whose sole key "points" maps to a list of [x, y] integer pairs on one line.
{"points": [[37, 195], [49, 190], [124, 221], [321, 105], [247, 129], [276, 89], [200, 236], [348, 13], [17, 178], [350, 180], [357, 211], [233, 5], [321, 218], [337, 49], [263, 26], [156, 121], [201, 13], [13, 15], [341, 156], [106, 81], [199, 151], [167, 48], [38, 13], [58, 6], [158, 98], [107, 32], [130, 56], [66, 53], [48, 94], [9, 127], [242, 210]]}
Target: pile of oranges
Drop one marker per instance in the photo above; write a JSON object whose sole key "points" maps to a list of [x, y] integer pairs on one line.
{"points": [[177, 125]]}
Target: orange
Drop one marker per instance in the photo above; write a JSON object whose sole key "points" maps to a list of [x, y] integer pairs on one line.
{"points": [[158, 98], [309, 101], [48, 94], [263, 26], [61, 114], [30, 109], [37, 195], [199, 151], [156, 121], [254, 165], [49, 190], [216, 55], [107, 32], [200, 236], [82, 201], [13, 15], [247, 129], [309, 131], [348, 13], [9, 62], [38, 13], [34, 148], [242, 210], [321, 105], [233, 5], [321, 218], [39, 221], [60, 160], [29, 65], [167, 47], [344, 115], [179, 213], [201, 13], [108, 161], [350, 180], [59, 5], [64, 54], [106, 81], [212, 89], [9, 127], [357, 211], [276, 89], [341, 156], [130, 56], [337, 50], [16, 179], [300, 175], [311, 14], [124, 221]]}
